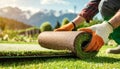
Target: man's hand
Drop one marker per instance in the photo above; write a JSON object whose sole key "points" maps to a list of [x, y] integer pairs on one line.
{"points": [[67, 27], [100, 33]]}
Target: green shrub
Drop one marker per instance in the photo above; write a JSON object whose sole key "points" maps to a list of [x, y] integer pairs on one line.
{"points": [[92, 22], [65, 21], [46, 26]]}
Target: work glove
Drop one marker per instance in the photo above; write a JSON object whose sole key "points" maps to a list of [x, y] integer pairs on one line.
{"points": [[100, 34], [67, 27]]}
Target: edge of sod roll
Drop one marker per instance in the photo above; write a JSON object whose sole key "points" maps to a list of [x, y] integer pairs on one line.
{"points": [[81, 42], [29, 54]]}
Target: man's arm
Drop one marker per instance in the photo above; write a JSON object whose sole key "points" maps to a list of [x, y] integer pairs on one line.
{"points": [[115, 20], [86, 14]]}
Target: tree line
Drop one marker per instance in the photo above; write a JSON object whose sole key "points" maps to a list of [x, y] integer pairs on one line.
{"points": [[46, 26]]}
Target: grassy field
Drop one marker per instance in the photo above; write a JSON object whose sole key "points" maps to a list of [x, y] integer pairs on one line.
{"points": [[17, 42], [101, 61]]}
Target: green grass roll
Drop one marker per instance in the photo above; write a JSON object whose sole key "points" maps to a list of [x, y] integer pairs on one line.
{"points": [[74, 41]]}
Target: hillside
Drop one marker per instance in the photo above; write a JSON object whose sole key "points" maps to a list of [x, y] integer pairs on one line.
{"points": [[11, 24], [37, 18]]}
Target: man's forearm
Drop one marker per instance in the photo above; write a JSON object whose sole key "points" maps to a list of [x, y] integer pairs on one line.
{"points": [[88, 12], [78, 20], [115, 20]]}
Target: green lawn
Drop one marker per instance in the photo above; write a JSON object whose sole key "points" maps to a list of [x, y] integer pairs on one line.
{"points": [[101, 61], [18, 42]]}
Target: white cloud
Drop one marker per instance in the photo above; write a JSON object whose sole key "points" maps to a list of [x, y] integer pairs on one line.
{"points": [[14, 3], [31, 9], [44, 2], [7, 3], [71, 11]]}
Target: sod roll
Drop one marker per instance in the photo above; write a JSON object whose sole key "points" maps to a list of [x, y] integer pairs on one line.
{"points": [[75, 41]]}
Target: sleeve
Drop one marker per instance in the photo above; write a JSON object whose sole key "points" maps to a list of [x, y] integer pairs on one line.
{"points": [[90, 10]]}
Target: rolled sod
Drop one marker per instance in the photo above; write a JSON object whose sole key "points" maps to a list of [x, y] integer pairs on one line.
{"points": [[74, 41], [81, 43]]}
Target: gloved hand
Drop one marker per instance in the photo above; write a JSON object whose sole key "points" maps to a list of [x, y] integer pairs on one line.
{"points": [[67, 27], [100, 33]]}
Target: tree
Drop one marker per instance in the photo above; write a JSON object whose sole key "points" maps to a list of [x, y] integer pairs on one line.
{"points": [[65, 21], [46, 26], [57, 25], [95, 21]]}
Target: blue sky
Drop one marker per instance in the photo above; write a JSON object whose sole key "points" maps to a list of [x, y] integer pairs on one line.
{"points": [[37, 5]]}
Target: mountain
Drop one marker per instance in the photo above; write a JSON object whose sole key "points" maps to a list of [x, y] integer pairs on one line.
{"points": [[36, 19], [15, 13], [40, 17], [70, 16], [11, 24]]}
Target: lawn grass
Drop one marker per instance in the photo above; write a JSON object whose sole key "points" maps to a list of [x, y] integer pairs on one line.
{"points": [[29, 50], [34, 53], [18, 42], [101, 61]]}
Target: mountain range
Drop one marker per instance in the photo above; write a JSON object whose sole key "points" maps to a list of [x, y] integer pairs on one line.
{"points": [[37, 18]]}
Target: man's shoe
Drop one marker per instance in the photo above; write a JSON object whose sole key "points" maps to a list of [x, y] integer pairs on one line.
{"points": [[113, 50]]}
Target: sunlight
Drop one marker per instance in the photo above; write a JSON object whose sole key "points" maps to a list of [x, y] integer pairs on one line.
{"points": [[4, 3], [8, 1], [53, 2]]}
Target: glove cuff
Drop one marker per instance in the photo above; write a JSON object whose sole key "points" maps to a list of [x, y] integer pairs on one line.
{"points": [[73, 24], [108, 26]]}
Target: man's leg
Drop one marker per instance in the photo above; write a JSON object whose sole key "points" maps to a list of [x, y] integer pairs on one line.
{"points": [[107, 9], [114, 50]]}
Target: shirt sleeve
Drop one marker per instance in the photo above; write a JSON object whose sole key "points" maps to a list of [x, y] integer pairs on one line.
{"points": [[90, 10]]}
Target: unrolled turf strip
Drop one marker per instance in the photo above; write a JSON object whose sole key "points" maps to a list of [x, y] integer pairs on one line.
{"points": [[30, 51]]}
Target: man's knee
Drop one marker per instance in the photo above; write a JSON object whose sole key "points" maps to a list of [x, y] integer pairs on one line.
{"points": [[108, 8]]}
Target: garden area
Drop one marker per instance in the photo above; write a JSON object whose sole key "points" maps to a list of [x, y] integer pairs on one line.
{"points": [[20, 49]]}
